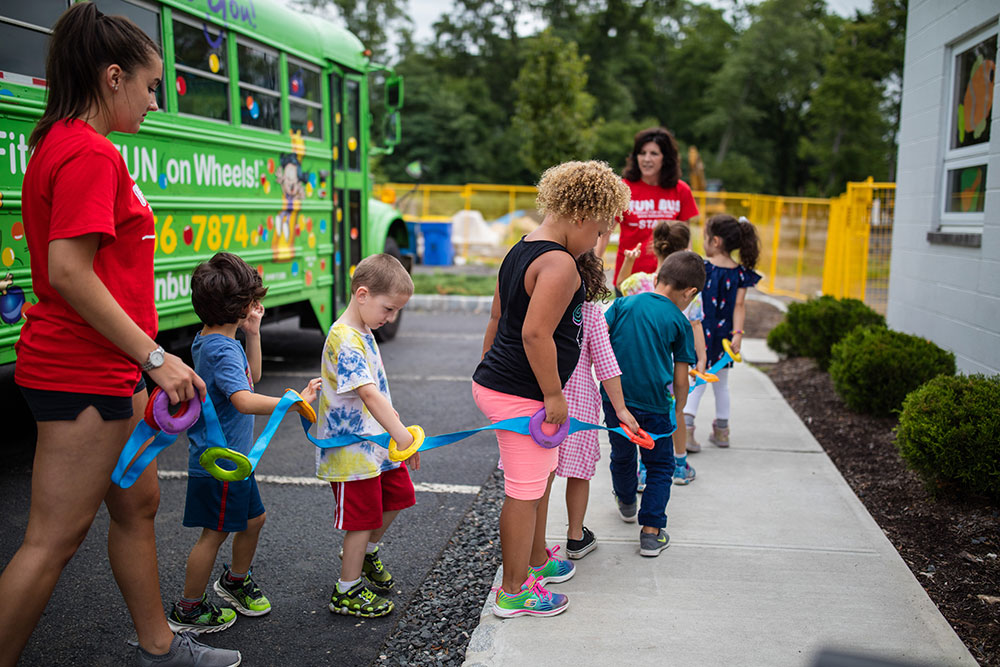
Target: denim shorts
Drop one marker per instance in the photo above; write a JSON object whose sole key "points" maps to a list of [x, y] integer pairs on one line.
{"points": [[51, 406]]}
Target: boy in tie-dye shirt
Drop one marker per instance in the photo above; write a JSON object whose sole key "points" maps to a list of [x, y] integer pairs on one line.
{"points": [[369, 489]]}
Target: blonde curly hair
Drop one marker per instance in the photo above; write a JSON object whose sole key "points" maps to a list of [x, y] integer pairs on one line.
{"points": [[577, 190]]}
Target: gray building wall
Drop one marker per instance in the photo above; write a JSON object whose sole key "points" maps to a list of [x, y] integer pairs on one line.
{"points": [[940, 290]]}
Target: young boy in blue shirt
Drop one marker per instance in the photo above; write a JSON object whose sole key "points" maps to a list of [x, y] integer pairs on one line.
{"points": [[226, 294], [654, 344]]}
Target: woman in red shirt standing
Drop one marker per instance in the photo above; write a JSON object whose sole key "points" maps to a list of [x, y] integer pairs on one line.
{"points": [[653, 174], [91, 237]]}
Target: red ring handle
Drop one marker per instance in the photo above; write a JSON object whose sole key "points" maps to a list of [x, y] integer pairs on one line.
{"points": [[641, 438]]}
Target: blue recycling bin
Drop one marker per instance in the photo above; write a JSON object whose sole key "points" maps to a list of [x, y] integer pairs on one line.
{"points": [[412, 229], [438, 250]]}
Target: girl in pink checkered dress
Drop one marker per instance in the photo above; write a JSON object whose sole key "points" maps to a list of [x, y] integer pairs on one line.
{"points": [[579, 452]]}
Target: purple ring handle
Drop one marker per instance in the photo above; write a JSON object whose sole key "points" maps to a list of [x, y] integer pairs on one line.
{"points": [[540, 437], [179, 422]]}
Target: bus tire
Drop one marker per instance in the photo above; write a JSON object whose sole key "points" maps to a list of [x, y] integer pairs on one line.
{"points": [[388, 331]]}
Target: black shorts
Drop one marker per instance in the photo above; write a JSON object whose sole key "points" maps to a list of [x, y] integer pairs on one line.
{"points": [[51, 406]]}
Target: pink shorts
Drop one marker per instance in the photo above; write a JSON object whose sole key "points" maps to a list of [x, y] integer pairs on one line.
{"points": [[359, 504], [526, 466]]}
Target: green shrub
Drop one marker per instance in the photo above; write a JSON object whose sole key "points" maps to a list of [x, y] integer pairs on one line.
{"points": [[810, 329], [949, 433], [874, 368]]}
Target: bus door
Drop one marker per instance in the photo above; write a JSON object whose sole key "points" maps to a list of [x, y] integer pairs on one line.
{"points": [[349, 181]]}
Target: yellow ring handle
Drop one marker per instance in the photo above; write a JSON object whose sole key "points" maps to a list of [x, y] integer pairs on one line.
{"points": [[418, 439], [211, 455], [727, 346], [706, 376], [310, 414]]}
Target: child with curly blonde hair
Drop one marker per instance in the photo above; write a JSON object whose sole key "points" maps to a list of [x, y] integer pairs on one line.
{"points": [[531, 346]]}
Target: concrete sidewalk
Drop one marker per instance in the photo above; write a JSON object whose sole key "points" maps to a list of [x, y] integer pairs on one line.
{"points": [[772, 558]]}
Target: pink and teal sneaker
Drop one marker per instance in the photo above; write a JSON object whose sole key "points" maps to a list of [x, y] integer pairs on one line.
{"points": [[533, 600], [554, 571]]}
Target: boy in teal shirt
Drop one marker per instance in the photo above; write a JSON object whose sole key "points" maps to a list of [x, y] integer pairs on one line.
{"points": [[654, 345]]}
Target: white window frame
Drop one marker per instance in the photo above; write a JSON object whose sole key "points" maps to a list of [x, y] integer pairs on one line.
{"points": [[967, 156], [318, 71], [276, 93], [192, 22]]}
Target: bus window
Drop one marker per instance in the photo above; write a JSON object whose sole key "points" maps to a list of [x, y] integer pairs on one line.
{"points": [[202, 78], [147, 18], [337, 118], [305, 103], [353, 126], [354, 225], [24, 35], [260, 95]]}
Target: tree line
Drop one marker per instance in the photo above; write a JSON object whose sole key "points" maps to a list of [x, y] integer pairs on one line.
{"points": [[782, 97]]}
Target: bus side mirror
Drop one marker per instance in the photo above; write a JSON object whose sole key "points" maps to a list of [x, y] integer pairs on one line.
{"points": [[394, 93], [393, 130]]}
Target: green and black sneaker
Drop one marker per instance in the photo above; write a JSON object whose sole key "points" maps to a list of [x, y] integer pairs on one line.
{"points": [[360, 601], [206, 617], [374, 571]]}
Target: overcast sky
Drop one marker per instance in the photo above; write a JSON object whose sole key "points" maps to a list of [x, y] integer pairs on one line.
{"points": [[425, 12]]}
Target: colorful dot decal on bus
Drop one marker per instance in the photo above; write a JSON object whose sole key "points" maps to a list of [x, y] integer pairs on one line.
{"points": [[213, 63], [351, 272], [340, 215], [253, 237], [309, 189], [4, 91], [295, 268], [1, 200], [249, 102], [17, 230], [322, 264], [352, 144], [309, 278], [7, 256], [188, 235], [182, 86], [354, 233], [267, 187], [312, 240], [310, 126], [322, 225], [336, 153], [162, 180], [270, 167]]}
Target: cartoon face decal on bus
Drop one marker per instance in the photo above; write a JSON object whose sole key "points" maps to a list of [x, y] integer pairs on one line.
{"points": [[293, 180]]}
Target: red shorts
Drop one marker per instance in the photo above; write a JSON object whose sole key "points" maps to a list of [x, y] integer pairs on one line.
{"points": [[358, 505]]}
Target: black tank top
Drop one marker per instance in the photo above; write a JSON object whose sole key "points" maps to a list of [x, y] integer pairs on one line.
{"points": [[505, 367]]}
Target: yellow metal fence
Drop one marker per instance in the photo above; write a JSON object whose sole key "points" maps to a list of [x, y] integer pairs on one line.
{"points": [[839, 246]]}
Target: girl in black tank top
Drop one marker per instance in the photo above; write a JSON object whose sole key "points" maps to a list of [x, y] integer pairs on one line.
{"points": [[531, 347]]}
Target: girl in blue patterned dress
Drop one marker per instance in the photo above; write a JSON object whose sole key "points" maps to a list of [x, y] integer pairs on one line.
{"points": [[726, 283]]}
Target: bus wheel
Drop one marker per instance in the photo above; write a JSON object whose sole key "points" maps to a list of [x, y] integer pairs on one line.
{"points": [[387, 332]]}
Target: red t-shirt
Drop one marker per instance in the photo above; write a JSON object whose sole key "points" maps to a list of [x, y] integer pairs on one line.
{"points": [[650, 204], [77, 183]]}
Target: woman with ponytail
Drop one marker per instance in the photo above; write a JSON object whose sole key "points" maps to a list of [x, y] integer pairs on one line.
{"points": [[91, 236], [723, 300]]}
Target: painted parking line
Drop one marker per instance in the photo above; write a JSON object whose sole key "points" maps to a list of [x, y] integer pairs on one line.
{"points": [[288, 480], [396, 377]]}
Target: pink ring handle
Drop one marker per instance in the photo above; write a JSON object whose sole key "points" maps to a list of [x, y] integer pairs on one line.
{"points": [[540, 437], [178, 422]]}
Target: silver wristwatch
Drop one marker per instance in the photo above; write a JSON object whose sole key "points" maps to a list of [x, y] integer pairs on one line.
{"points": [[155, 359]]}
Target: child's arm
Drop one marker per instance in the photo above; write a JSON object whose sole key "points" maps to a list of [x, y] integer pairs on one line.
{"points": [[739, 317], [680, 400], [382, 411], [251, 327], [627, 263], [250, 403], [556, 280], [699, 345], [491, 326], [614, 388]]}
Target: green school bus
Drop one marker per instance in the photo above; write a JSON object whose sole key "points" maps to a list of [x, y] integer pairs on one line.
{"points": [[260, 148]]}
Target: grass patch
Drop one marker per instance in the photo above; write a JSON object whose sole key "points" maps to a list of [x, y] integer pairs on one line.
{"points": [[452, 283]]}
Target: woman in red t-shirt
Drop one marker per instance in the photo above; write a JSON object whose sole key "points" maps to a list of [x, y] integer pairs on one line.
{"points": [[91, 237], [653, 174]]}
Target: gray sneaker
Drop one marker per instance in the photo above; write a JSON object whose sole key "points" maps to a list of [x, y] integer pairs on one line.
{"points": [[629, 512], [651, 544], [186, 652]]}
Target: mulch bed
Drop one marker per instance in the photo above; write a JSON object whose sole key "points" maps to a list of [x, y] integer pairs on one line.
{"points": [[951, 544]]}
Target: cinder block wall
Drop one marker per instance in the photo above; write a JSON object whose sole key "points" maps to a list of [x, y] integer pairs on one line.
{"points": [[947, 293]]}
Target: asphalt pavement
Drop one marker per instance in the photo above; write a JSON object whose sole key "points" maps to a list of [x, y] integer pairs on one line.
{"points": [[429, 365]]}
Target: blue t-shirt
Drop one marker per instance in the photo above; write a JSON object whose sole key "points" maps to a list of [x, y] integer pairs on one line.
{"points": [[222, 364], [648, 333]]}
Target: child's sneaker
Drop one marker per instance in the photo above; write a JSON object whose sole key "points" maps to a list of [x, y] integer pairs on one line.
{"points": [[554, 571], [720, 436], [359, 601], [533, 600], [577, 549], [206, 617], [245, 595], [651, 544], [642, 478], [629, 512], [690, 444], [684, 475], [375, 573]]}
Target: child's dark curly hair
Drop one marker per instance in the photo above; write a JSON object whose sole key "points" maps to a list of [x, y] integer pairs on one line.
{"points": [[591, 268], [224, 288]]}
